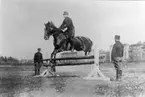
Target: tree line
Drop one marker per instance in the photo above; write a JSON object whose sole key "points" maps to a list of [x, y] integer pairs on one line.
{"points": [[8, 60]]}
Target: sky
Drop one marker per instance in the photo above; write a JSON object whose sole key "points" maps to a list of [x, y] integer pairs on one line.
{"points": [[22, 26]]}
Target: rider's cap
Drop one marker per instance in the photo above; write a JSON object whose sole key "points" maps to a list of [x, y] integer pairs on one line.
{"points": [[65, 13], [39, 48], [117, 36]]}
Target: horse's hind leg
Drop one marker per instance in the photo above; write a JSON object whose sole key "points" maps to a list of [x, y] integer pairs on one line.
{"points": [[89, 51]]}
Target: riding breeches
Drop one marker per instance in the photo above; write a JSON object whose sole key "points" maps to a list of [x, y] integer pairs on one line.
{"points": [[70, 35], [118, 66], [37, 68], [118, 63]]}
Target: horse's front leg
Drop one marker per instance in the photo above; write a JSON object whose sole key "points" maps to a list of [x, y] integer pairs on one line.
{"points": [[52, 54], [52, 61]]}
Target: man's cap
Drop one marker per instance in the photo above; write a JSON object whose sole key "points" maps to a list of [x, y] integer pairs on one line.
{"points": [[39, 48], [117, 36], [65, 13]]}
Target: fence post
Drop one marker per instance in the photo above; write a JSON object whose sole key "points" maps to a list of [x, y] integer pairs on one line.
{"points": [[95, 73]]}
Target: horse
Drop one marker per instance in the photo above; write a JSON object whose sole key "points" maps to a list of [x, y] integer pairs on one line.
{"points": [[81, 43]]}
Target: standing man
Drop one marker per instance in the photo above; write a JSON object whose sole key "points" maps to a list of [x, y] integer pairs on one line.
{"points": [[116, 57], [38, 60], [70, 30]]}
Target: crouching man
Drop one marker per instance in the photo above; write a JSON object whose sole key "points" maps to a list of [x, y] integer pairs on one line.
{"points": [[38, 60], [116, 57]]}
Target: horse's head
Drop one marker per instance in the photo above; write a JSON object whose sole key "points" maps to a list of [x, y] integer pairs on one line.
{"points": [[48, 30], [58, 35]]}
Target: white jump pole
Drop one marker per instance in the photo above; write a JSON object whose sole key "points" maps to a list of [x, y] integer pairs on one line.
{"points": [[95, 73]]}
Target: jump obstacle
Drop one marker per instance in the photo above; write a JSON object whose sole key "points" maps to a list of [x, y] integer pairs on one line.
{"points": [[95, 73]]}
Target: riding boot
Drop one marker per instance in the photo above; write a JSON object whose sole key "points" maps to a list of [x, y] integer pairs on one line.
{"points": [[120, 74], [35, 72], [117, 74], [67, 42], [38, 71], [72, 46]]}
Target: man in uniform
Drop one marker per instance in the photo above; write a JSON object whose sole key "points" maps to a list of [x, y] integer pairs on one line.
{"points": [[38, 60], [70, 30], [116, 56]]}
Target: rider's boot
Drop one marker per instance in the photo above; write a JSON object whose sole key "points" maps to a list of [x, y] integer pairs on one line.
{"points": [[72, 45], [117, 74], [120, 75]]}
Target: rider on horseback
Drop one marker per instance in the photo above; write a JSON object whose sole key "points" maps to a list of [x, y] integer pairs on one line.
{"points": [[70, 30]]}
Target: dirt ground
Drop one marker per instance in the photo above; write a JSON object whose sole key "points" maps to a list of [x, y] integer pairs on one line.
{"points": [[17, 81]]}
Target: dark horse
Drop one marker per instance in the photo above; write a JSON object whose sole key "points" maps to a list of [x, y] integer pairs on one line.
{"points": [[80, 43]]}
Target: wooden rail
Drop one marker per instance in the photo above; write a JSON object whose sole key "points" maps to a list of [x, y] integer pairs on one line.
{"points": [[71, 58], [72, 64]]}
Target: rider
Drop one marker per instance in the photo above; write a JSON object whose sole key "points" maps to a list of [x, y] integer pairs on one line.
{"points": [[70, 30]]}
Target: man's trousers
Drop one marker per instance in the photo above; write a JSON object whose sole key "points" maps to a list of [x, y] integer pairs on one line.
{"points": [[118, 66], [37, 68]]}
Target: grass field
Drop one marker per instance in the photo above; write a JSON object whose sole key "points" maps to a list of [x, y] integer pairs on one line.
{"points": [[17, 81]]}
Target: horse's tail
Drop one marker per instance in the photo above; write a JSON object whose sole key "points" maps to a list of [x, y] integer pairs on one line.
{"points": [[91, 44]]}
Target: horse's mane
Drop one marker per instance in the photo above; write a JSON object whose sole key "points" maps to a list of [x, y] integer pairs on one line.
{"points": [[57, 30]]}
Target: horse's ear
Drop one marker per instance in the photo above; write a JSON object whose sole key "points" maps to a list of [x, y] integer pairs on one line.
{"points": [[52, 23]]}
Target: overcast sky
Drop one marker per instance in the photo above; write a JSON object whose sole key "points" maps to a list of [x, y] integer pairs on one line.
{"points": [[23, 23]]}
